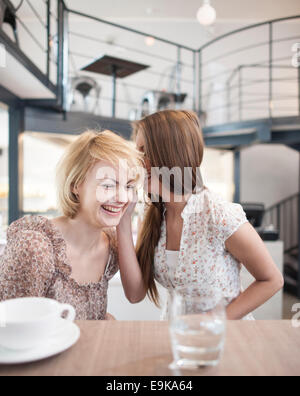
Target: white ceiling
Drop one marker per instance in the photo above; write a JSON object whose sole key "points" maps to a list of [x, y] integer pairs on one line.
{"points": [[159, 17], [227, 10]]}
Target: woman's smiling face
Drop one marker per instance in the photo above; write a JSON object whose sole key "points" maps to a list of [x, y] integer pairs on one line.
{"points": [[105, 194]]}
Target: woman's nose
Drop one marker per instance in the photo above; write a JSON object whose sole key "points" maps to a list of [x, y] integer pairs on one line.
{"points": [[122, 195]]}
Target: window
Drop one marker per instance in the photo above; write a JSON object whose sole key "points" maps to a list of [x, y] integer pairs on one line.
{"points": [[42, 151], [218, 172]]}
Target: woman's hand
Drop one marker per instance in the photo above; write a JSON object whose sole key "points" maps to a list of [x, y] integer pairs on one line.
{"points": [[109, 317], [130, 271], [126, 219]]}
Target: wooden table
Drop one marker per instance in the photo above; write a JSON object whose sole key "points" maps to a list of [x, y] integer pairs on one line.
{"points": [[143, 348]]}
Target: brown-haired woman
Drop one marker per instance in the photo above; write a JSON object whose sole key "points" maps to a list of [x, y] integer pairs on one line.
{"points": [[191, 236]]}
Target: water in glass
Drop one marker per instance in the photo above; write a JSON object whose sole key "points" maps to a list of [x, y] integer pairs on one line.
{"points": [[197, 329]]}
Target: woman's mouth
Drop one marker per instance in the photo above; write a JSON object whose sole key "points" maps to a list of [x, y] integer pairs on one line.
{"points": [[112, 210]]}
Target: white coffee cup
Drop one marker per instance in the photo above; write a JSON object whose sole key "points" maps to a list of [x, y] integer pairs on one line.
{"points": [[26, 323]]}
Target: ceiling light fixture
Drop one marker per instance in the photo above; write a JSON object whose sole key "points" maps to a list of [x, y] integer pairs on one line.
{"points": [[149, 11], [206, 14], [150, 41]]}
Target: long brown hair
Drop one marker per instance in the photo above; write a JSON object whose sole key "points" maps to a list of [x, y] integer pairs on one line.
{"points": [[172, 139]]}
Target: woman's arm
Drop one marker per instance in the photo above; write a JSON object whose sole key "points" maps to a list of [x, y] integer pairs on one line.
{"points": [[27, 266], [131, 274], [248, 248]]}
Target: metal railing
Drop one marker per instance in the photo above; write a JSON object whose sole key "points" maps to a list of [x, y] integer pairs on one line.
{"points": [[223, 87], [38, 40], [265, 100], [200, 86], [285, 217], [173, 66]]}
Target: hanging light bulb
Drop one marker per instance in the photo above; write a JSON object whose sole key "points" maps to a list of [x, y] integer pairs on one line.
{"points": [[206, 14], [150, 41]]}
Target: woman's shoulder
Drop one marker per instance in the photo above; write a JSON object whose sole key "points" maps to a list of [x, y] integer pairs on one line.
{"points": [[37, 234], [210, 197], [34, 227], [223, 208], [28, 263], [213, 206], [203, 201], [223, 216]]}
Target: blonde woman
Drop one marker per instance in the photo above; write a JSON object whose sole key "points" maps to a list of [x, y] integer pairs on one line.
{"points": [[190, 236], [72, 258]]}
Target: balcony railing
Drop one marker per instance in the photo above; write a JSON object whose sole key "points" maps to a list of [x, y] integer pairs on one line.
{"points": [[259, 74], [250, 73]]}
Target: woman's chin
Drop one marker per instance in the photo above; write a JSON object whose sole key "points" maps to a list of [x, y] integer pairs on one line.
{"points": [[109, 219]]}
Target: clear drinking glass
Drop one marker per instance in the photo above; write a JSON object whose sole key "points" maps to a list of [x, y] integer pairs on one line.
{"points": [[197, 328]]}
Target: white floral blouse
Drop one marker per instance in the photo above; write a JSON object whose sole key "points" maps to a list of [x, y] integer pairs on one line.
{"points": [[203, 260]]}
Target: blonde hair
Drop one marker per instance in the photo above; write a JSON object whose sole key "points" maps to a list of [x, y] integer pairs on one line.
{"points": [[81, 155], [172, 139]]}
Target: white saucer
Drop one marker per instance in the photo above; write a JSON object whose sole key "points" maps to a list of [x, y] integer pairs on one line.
{"points": [[60, 342]]}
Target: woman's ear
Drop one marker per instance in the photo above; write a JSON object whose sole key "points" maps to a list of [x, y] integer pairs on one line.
{"points": [[75, 191]]}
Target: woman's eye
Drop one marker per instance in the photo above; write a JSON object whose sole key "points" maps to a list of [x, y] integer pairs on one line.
{"points": [[131, 187], [108, 186]]}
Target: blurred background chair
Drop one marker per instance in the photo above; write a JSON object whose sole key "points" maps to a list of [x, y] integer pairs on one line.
{"points": [[84, 95], [154, 101]]}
